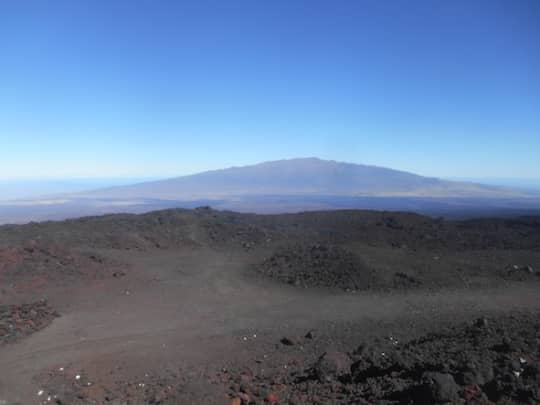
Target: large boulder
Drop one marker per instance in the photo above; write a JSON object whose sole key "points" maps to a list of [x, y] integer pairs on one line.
{"points": [[333, 365], [439, 387]]}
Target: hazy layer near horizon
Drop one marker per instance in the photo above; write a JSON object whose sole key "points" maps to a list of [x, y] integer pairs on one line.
{"points": [[17, 189], [515, 183]]}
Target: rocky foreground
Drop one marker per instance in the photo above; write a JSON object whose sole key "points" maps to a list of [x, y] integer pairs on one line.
{"points": [[201, 306], [489, 361]]}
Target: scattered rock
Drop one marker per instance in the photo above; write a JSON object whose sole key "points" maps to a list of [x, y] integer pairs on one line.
{"points": [[272, 399], [465, 365], [403, 280], [309, 335], [333, 365], [440, 388], [18, 321], [481, 323], [287, 341]]}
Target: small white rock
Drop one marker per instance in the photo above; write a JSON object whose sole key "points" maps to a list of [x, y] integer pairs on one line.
{"points": [[40, 393]]}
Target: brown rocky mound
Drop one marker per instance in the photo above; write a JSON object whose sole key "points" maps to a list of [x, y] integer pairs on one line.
{"points": [[17, 321], [35, 265], [318, 265]]}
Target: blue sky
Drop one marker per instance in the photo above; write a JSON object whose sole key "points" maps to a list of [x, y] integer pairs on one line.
{"points": [[162, 88]]}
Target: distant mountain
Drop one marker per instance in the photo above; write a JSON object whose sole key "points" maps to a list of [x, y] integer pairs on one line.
{"points": [[286, 186], [297, 177]]}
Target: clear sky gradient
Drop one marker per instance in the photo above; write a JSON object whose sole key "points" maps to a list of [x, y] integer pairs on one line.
{"points": [[111, 88]]}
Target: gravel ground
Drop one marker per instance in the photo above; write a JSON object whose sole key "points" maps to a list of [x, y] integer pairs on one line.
{"points": [[200, 306]]}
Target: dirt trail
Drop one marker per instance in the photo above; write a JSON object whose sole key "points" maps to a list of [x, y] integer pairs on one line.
{"points": [[194, 308]]}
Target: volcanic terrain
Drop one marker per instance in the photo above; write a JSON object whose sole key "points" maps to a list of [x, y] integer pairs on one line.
{"points": [[214, 307]]}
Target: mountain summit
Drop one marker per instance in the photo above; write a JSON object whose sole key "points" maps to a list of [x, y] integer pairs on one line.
{"points": [[301, 176]]}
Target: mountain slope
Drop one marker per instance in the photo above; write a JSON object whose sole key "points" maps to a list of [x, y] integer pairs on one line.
{"points": [[305, 176], [281, 186]]}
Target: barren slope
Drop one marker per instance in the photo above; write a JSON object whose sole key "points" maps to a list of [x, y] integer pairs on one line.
{"points": [[172, 309]]}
